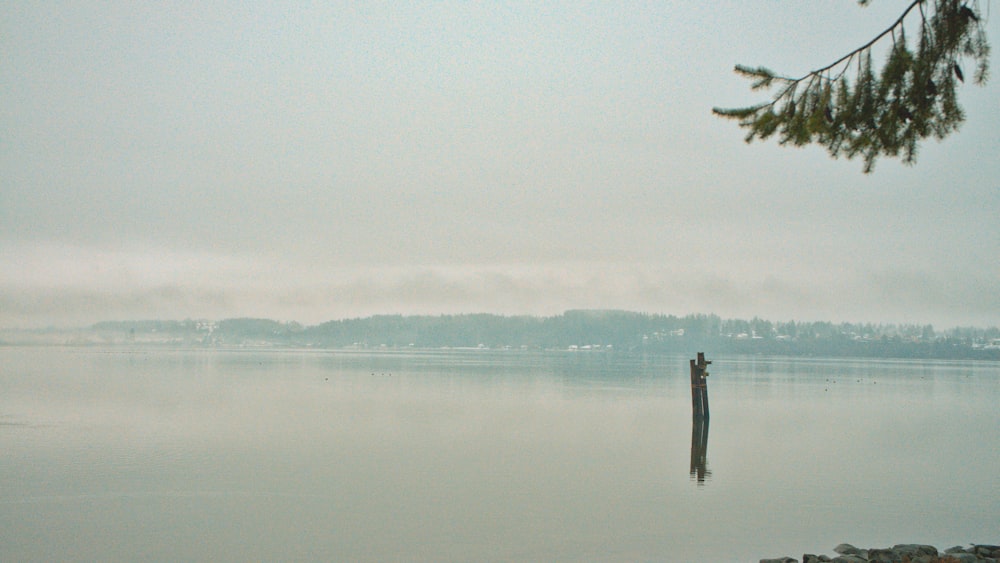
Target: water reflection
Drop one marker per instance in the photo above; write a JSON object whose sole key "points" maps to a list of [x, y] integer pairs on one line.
{"points": [[304, 455], [699, 450]]}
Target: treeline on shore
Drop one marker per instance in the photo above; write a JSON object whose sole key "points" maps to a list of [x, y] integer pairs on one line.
{"points": [[579, 330]]}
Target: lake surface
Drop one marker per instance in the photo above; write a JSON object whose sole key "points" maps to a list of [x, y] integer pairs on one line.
{"points": [[198, 455]]}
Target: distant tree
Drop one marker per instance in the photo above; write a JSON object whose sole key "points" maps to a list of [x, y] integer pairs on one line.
{"points": [[887, 113]]}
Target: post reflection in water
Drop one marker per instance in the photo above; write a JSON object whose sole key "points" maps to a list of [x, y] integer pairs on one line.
{"points": [[699, 424], [699, 450]]}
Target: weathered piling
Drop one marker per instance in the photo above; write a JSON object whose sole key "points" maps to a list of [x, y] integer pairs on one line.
{"points": [[699, 450], [699, 387]]}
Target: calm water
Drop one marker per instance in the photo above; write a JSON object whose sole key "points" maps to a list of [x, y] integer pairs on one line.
{"points": [[157, 455]]}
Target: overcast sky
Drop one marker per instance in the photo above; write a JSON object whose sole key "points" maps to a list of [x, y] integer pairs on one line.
{"points": [[316, 161]]}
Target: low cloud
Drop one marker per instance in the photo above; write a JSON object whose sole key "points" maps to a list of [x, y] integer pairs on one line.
{"points": [[76, 286]]}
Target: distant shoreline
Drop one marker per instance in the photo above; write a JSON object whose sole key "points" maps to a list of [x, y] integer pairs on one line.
{"points": [[576, 331]]}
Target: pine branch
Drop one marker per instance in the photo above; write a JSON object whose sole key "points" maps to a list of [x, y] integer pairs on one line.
{"points": [[898, 23], [881, 114]]}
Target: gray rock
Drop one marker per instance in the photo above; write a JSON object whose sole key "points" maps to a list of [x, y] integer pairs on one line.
{"points": [[914, 550], [847, 549], [902, 553], [962, 557], [884, 556], [986, 550]]}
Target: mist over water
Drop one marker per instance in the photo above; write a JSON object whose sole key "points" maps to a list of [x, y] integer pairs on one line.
{"points": [[275, 455]]}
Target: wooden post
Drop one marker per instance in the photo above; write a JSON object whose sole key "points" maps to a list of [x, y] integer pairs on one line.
{"points": [[699, 450], [699, 387]]}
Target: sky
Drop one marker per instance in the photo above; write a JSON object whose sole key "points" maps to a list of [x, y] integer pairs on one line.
{"points": [[311, 161]]}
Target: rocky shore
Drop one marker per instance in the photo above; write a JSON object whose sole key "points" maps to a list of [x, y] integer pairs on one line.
{"points": [[902, 553]]}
